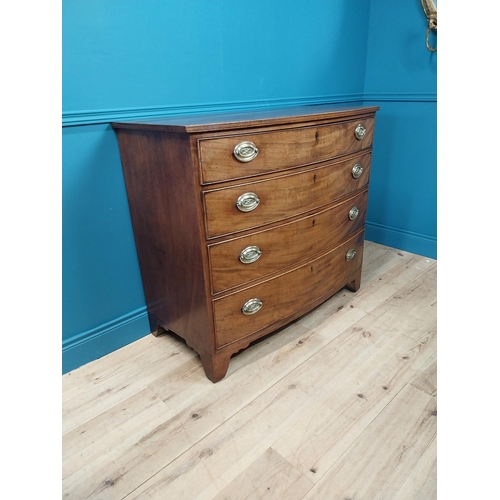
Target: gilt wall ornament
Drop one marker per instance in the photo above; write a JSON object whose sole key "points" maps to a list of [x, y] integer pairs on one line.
{"points": [[430, 11]]}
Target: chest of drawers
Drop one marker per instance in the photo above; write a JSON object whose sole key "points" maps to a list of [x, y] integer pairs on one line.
{"points": [[245, 221]]}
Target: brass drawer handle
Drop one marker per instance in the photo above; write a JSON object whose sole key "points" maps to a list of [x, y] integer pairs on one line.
{"points": [[250, 254], [360, 132], [245, 151], [350, 254], [357, 170], [247, 202], [251, 306], [353, 213]]}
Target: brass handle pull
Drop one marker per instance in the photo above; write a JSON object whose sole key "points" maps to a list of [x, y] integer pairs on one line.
{"points": [[250, 254], [251, 306], [357, 170], [247, 202], [245, 151], [353, 213], [350, 254], [360, 132]]}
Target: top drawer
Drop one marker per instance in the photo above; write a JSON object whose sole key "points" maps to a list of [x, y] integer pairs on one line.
{"points": [[264, 152]]}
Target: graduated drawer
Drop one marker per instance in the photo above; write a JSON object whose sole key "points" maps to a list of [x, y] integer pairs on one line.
{"points": [[232, 261], [284, 295], [281, 149], [282, 197]]}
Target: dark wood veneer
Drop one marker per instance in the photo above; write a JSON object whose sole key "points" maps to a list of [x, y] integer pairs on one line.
{"points": [[182, 184]]}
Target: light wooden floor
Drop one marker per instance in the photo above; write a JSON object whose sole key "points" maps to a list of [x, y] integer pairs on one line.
{"points": [[339, 405]]}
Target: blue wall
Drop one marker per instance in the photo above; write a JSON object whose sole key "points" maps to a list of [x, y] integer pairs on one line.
{"points": [[401, 79], [130, 58], [133, 56]]}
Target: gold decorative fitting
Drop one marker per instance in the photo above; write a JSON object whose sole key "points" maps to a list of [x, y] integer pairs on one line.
{"points": [[360, 132], [353, 213], [350, 254], [357, 170], [430, 11], [245, 151], [247, 202], [251, 306], [250, 254]]}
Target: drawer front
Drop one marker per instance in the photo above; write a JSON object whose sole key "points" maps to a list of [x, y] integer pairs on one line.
{"points": [[282, 197], [244, 259], [284, 295], [279, 150]]}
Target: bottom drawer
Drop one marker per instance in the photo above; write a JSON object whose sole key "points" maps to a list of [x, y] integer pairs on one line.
{"points": [[282, 296]]}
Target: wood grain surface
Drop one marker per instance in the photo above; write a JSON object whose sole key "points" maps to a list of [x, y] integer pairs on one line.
{"points": [[283, 197], [286, 244], [341, 404], [184, 184], [281, 149], [288, 293]]}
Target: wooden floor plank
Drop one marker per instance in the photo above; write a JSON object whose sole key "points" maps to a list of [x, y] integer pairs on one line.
{"points": [[380, 280], [198, 405], [213, 462], [127, 370], [194, 408], [236, 439], [270, 476], [426, 377], [378, 463], [145, 422], [92, 440], [91, 398], [421, 484], [336, 418], [410, 309], [328, 427], [137, 354]]}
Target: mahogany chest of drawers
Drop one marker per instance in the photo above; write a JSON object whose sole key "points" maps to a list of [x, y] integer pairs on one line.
{"points": [[245, 221]]}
